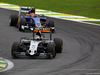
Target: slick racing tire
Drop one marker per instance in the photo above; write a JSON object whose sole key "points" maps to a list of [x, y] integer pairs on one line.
{"points": [[15, 50], [22, 23], [13, 19], [51, 25], [51, 52], [59, 45]]}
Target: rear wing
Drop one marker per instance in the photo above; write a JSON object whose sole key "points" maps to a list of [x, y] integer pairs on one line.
{"points": [[42, 30], [24, 8]]}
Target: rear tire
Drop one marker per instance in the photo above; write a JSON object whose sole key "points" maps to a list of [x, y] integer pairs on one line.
{"points": [[22, 23], [15, 50], [51, 52], [13, 19], [59, 45]]}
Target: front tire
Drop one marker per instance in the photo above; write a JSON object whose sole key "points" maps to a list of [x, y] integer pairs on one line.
{"points": [[21, 24], [15, 50], [51, 25]]}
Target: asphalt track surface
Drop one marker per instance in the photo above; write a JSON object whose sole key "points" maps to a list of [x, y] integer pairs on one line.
{"points": [[80, 56]]}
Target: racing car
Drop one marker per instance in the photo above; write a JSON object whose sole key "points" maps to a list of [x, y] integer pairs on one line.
{"points": [[30, 20], [37, 45]]}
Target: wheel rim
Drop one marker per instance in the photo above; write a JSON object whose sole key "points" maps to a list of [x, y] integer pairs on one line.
{"points": [[22, 27]]}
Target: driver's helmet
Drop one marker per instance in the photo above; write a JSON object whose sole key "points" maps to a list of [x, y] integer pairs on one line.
{"points": [[38, 35], [32, 14]]}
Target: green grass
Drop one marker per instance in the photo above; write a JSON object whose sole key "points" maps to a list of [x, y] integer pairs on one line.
{"points": [[96, 22], [93, 13], [63, 6]]}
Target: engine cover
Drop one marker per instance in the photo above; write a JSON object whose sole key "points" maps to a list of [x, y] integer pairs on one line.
{"points": [[33, 47]]}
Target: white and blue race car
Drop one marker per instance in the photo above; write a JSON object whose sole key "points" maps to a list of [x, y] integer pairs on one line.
{"points": [[37, 45]]}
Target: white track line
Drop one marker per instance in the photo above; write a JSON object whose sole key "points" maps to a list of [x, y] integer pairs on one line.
{"points": [[77, 21], [10, 65], [61, 18]]}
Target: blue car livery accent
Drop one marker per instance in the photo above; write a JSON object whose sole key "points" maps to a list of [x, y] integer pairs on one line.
{"points": [[36, 19]]}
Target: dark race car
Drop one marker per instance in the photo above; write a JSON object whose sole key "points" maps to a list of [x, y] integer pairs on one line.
{"points": [[30, 20]]}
